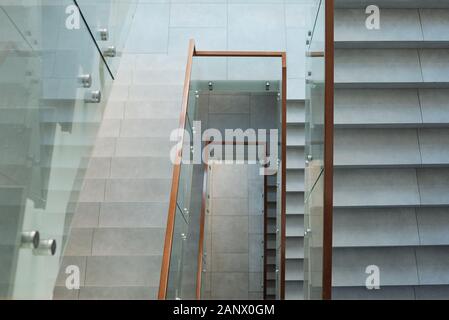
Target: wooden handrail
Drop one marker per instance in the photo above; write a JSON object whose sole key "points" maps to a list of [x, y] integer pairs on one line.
{"points": [[165, 268], [283, 175], [199, 272], [328, 150], [177, 166], [265, 236]]}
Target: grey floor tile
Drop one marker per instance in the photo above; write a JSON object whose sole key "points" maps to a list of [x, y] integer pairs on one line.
{"points": [[230, 286], [79, 242], [154, 18], [433, 225], [434, 105], [384, 293], [141, 167], [118, 293], [434, 24], [138, 190], [93, 190], [229, 103], [434, 64], [62, 293], [123, 271], [437, 292], [230, 262], [246, 31], [230, 234], [133, 215], [86, 215], [434, 185], [433, 143], [128, 241], [198, 15], [433, 263]]}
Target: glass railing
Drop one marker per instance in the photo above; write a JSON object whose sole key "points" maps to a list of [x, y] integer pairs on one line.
{"points": [[53, 88], [188, 247], [109, 22], [317, 87]]}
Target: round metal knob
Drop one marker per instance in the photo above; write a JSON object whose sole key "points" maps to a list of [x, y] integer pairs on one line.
{"points": [[93, 97], [46, 247], [104, 34], [29, 239], [110, 52], [85, 80]]}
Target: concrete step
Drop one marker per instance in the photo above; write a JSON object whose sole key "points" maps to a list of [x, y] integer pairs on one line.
{"points": [[392, 147], [152, 110], [295, 158], [295, 135], [394, 4], [422, 292], [148, 92], [295, 225], [154, 76], [106, 293], [294, 203], [294, 290], [294, 269], [391, 227], [400, 28], [376, 187], [140, 167], [391, 187], [125, 190], [151, 128], [295, 111], [159, 62], [294, 180], [377, 147], [391, 108], [387, 68], [399, 266], [294, 248]]}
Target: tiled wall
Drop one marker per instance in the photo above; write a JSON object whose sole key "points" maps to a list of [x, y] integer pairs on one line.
{"points": [[165, 27], [234, 233]]}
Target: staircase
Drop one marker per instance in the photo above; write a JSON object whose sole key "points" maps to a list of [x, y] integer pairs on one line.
{"points": [[270, 240], [117, 236], [294, 246], [391, 188]]}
